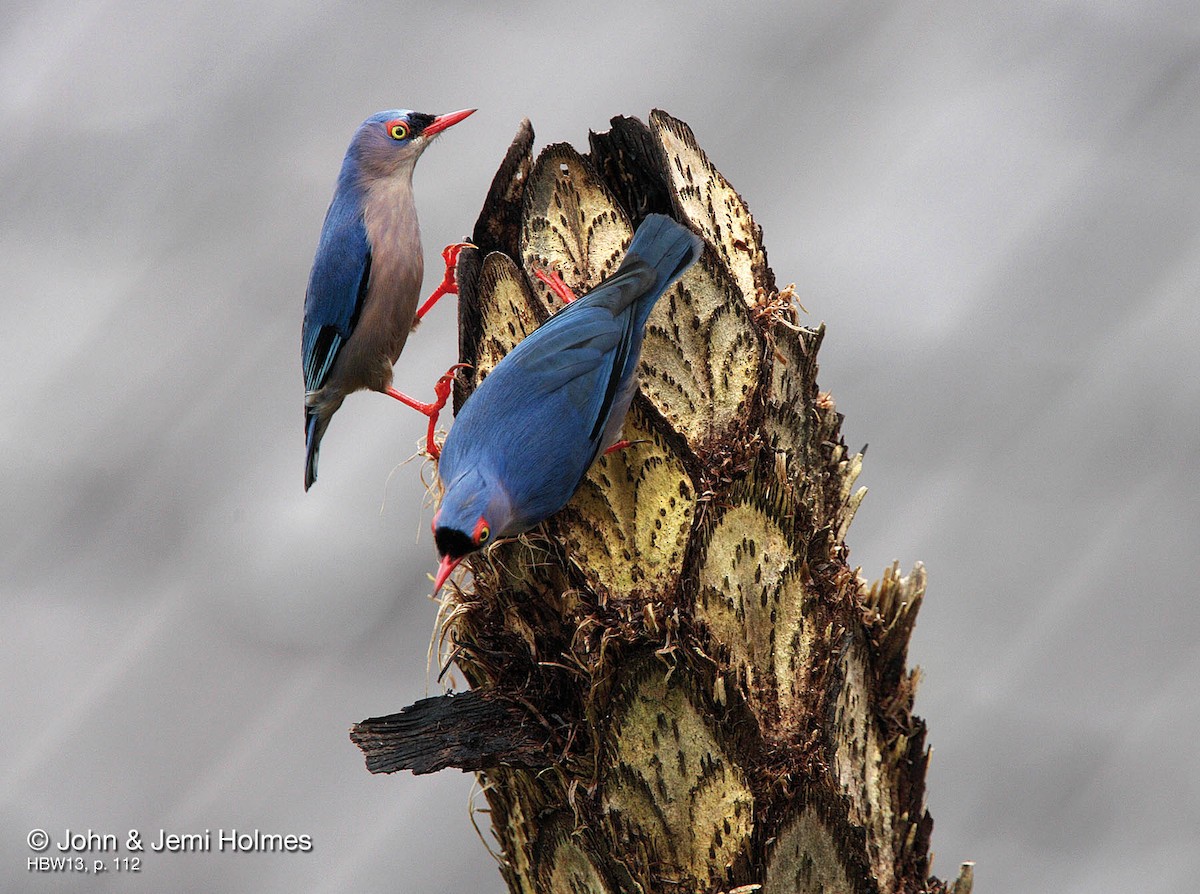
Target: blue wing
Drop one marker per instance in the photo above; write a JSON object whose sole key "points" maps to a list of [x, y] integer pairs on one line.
{"points": [[538, 418], [537, 421], [574, 365], [336, 287], [584, 348], [591, 346]]}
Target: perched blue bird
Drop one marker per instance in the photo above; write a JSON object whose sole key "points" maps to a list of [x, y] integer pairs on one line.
{"points": [[523, 442], [366, 279]]}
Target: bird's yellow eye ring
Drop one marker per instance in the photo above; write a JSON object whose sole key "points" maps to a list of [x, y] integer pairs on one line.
{"points": [[482, 531], [397, 130]]}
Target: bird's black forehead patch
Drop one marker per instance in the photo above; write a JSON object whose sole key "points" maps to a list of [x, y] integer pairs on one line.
{"points": [[420, 121], [452, 543]]}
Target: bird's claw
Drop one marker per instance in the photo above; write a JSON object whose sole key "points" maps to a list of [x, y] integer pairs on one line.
{"points": [[622, 444], [553, 279], [449, 283], [446, 382], [450, 255], [441, 389]]}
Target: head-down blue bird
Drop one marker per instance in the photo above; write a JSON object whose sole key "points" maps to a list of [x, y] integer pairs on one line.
{"points": [[362, 293], [524, 440]]}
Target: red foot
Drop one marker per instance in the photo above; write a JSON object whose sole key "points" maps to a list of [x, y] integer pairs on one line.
{"points": [[556, 284], [621, 445], [442, 391], [449, 285]]}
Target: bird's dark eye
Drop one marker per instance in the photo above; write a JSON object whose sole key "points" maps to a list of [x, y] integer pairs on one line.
{"points": [[398, 130], [482, 531]]}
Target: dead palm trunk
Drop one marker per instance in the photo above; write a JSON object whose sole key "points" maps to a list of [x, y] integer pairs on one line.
{"points": [[677, 683]]}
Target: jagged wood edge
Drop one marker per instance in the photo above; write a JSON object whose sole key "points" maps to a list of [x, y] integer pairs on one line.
{"points": [[760, 270], [630, 162], [498, 227]]}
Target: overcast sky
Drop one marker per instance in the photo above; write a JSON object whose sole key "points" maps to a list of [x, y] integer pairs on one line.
{"points": [[995, 207]]}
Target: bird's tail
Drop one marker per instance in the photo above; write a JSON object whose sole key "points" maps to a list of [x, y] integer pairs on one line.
{"points": [[669, 248], [314, 430]]}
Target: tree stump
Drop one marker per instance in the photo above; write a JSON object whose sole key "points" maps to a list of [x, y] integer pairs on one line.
{"points": [[678, 684]]}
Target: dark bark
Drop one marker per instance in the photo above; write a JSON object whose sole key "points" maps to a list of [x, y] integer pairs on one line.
{"points": [[468, 730]]}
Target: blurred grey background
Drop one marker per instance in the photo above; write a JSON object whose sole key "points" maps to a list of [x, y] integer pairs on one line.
{"points": [[995, 207]]}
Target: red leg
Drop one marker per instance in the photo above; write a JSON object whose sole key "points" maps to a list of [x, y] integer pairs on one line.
{"points": [[442, 392], [449, 285], [556, 284], [621, 445]]}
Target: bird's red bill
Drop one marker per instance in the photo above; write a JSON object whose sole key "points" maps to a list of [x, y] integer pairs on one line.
{"points": [[447, 565], [441, 122]]}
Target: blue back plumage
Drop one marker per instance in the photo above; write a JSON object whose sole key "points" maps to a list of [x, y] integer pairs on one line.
{"points": [[524, 440], [338, 281]]}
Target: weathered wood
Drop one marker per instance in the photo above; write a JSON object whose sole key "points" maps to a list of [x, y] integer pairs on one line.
{"points": [[467, 730]]}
